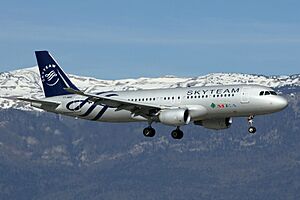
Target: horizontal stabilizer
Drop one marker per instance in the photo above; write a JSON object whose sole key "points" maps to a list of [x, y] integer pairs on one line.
{"points": [[46, 103], [73, 91]]}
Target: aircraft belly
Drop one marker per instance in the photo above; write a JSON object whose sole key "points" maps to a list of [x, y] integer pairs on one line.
{"points": [[111, 115]]}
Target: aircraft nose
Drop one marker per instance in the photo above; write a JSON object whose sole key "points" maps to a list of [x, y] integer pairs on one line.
{"points": [[280, 103]]}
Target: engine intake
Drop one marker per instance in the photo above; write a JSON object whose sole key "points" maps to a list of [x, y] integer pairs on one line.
{"points": [[175, 117]]}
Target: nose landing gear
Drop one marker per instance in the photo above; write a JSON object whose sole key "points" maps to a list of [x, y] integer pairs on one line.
{"points": [[251, 129]]}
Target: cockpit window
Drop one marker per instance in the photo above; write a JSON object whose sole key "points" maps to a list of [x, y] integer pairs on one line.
{"points": [[267, 93]]}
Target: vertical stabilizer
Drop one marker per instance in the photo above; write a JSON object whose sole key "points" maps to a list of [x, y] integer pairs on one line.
{"points": [[53, 77]]}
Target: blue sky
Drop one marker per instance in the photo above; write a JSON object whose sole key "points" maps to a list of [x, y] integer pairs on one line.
{"points": [[134, 38]]}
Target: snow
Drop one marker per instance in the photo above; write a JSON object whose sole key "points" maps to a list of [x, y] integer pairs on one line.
{"points": [[26, 83]]}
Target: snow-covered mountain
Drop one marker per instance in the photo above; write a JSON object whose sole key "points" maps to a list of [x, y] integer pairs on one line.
{"points": [[26, 83], [62, 158]]}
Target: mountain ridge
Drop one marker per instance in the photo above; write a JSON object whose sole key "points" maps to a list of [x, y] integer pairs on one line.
{"points": [[26, 83]]}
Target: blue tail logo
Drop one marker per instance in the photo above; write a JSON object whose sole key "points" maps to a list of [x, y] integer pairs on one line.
{"points": [[49, 75], [53, 78]]}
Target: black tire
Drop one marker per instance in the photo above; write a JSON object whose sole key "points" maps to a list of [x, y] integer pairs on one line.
{"points": [[177, 134], [149, 132], [152, 132], [174, 134], [252, 129], [180, 135]]}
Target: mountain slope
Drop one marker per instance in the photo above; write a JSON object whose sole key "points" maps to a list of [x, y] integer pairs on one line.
{"points": [[47, 157]]}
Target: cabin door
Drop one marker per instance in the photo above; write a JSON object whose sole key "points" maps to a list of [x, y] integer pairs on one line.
{"points": [[245, 95]]}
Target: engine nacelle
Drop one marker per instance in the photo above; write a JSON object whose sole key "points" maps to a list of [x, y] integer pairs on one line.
{"points": [[216, 124], [175, 117]]}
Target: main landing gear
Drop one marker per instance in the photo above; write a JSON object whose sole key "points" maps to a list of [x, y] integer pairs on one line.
{"points": [[177, 133], [150, 132], [251, 129]]}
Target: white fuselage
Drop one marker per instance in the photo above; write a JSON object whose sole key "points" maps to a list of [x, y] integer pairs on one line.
{"points": [[219, 102]]}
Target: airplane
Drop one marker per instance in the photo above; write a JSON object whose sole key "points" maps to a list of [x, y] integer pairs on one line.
{"points": [[212, 107]]}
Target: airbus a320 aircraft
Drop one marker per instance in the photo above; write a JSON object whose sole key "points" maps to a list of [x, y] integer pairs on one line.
{"points": [[211, 107]]}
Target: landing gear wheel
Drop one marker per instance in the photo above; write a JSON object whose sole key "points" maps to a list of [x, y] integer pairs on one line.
{"points": [[149, 132], [177, 134], [252, 129]]}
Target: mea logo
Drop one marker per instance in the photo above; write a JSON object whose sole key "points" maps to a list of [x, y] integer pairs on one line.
{"points": [[223, 105], [49, 75]]}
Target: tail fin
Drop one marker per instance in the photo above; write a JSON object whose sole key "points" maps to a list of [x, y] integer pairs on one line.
{"points": [[53, 77]]}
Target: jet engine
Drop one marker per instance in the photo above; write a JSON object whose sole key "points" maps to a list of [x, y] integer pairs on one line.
{"points": [[174, 117], [215, 124]]}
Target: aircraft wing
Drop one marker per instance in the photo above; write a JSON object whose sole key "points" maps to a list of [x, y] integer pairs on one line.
{"points": [[137, 108]]}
